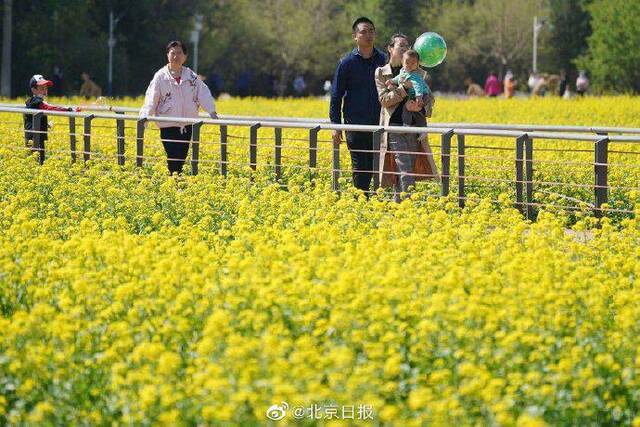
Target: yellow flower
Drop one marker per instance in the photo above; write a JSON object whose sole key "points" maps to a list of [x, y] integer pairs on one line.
{"points": [[40, 412], [389, 414], [168, 363], [530, 421], [148, 395], [208, 299], [169, 417]]}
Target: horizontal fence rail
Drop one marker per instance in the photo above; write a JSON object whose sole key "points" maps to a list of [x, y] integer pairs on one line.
{"points": [[598, 130], [595, 140]]}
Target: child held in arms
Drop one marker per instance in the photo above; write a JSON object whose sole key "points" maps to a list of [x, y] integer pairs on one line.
{"points": [[412, 116]]}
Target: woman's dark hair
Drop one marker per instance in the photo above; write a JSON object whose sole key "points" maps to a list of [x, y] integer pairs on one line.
{"points": [[177, 43], [392, 41], [393, 38]]}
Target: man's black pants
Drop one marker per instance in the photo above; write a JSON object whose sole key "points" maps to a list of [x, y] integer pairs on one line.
{"points": [[176, 145], [360, 147]]}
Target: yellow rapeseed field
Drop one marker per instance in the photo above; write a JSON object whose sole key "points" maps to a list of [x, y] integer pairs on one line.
{"points": [[131, 297]]}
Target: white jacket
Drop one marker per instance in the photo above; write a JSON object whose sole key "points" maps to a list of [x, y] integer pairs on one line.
{"points": [[166, 98]]}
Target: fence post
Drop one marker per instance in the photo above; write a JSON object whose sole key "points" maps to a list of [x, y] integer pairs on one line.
{"points": [[223, 150], [277, 153], [445, 158], [195, 144], [377, 136], [461, 171], [335, 172], [140, 141], [520, 171], [253, 146], [120, 138], [87, 137], [313, 146], [38, 137], [601, 171], [72, 138], [528, 176]]}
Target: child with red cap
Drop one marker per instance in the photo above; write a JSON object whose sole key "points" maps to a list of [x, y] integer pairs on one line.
{"points": [[39, 89]]}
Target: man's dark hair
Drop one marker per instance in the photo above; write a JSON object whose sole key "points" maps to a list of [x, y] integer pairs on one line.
{"points": [[177, 43], [413, 54], [393, 38], [362, 19]]}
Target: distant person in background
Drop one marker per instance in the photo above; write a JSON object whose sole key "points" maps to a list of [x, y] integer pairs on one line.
{"points": [[553, 83], [176, 91], [58, 81], [533, 81], [509, 85], [536, 84], [39, 88], [299, 85], [242, 84], [214, 81], [492, 85], [327, 89], [473, 89], [563, 84], [582, 83], [89, 88], [279, 87], [541, 86]]}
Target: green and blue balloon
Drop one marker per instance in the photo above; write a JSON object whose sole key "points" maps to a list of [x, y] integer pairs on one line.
{"points": [[432, 49]]}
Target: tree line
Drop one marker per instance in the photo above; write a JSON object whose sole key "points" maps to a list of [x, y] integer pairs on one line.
{"points": [[270, 42]]}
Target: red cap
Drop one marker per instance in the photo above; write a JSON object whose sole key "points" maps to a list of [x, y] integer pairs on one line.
{"points": [[38, 80]]}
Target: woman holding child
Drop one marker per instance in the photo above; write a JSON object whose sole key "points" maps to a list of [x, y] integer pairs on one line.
{"points": [[398, 166]]}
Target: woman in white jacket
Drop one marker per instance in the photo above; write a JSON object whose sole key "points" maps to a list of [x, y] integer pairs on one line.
{"points": [[176, 91]]}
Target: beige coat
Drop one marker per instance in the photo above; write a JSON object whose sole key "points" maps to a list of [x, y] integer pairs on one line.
{"points": [[389, 99]]}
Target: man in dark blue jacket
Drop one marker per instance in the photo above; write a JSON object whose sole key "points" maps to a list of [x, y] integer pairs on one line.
{"points": [[354, 81]]}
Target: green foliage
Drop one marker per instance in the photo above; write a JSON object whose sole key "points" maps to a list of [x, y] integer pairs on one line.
{"points": [[613, 56], [73, 35], [284, 38], [278, 39], [485, 35], [569, 26]]}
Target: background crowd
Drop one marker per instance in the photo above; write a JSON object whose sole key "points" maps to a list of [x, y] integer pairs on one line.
{"points": [[291, 48], [538, 84]]}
